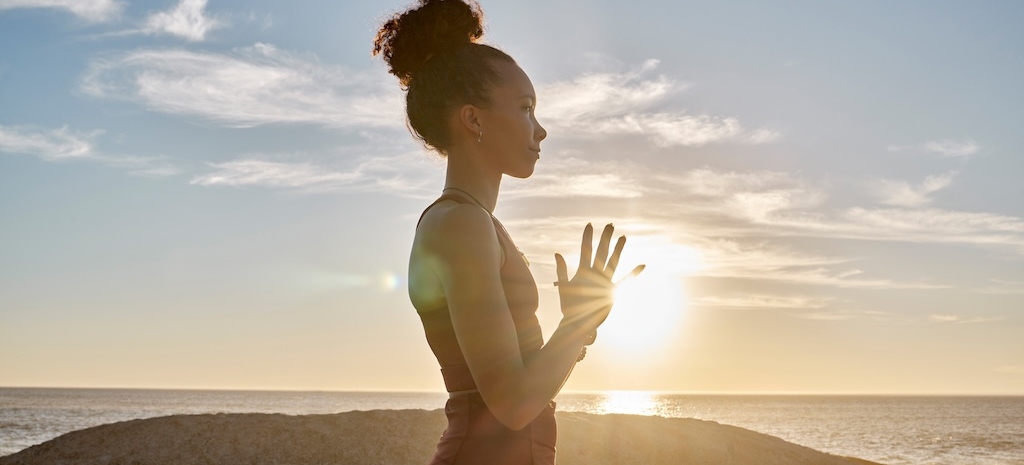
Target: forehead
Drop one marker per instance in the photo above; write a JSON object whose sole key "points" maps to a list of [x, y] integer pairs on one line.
{"points": [[513, 81]]}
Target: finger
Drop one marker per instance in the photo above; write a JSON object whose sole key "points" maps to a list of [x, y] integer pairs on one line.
{"points": [[602, 246], [613, 263], [586, 247], [560, 271], [632, 274]]}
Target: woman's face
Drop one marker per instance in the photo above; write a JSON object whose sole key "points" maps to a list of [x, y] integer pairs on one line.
{"points": [[511, 133]]}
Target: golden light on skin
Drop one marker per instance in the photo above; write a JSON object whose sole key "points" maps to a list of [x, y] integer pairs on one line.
{"points": [[649, 308]]}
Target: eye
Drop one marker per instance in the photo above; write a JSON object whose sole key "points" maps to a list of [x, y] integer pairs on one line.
{"points": [[528, 107]]}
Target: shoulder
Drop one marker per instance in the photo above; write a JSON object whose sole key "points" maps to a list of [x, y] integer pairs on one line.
{"points": [[451, 217], [453, 232]]}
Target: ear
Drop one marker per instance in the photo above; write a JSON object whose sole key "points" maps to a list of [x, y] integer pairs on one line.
{"points": [[469, 120]]}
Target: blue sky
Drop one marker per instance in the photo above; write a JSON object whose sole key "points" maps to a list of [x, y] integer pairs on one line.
{"points": [[223, 194]]}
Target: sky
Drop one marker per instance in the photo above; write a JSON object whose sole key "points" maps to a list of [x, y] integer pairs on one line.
{"points": [[223, 194]]}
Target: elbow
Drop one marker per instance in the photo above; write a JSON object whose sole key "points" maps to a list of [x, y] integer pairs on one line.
{"points": [[513, 420], [514, 406], [515, 415]]}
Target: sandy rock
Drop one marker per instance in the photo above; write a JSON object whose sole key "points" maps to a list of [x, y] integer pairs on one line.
{"points": [[399, 437]]}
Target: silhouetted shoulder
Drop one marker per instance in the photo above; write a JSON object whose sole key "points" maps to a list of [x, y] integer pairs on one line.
{"points": [[458, 234]]}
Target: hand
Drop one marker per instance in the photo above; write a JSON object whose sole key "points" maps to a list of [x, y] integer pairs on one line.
{"points": [[588, 297]]}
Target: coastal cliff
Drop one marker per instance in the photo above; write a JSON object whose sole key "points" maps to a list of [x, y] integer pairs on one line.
{"points": [[403, 437]]}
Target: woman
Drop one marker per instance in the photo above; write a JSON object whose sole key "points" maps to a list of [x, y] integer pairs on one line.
{"points": [[470, 285]]}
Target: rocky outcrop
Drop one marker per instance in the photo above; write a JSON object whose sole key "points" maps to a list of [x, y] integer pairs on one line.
{"points": [[402, 437]]}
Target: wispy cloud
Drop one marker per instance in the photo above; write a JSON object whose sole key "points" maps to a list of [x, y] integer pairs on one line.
{"points": [[1002, 287], [568, 176], [804, 307], [265, 21], [395, 174], [933, 225], [755, 196], [48, 144], [730, 258], [904, 194], [186, 20], [749, 225], [264, 85], [764, 301], [944, 147], [764, 204], [961, 319], [63, 144], [707, 182], [89, 10], [272, 174], [676, 247], [604, 104], [595, 95], [928, 225], [823, 316], [249, 87]]}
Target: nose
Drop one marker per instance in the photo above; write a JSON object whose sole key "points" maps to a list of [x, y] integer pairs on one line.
{"points": [[539, 133]]}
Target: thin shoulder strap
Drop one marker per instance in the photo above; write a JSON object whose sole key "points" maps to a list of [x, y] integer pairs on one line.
{"points": [[442, 198], [498, 228]]}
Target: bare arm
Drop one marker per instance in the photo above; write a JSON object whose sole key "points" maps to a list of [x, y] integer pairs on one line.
{"points": [[466, 256]]}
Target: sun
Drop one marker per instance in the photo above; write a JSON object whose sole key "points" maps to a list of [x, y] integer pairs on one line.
{"points": [[649, 308]]}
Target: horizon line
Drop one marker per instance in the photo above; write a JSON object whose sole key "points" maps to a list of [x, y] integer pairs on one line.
{"points": [[570, 392]]}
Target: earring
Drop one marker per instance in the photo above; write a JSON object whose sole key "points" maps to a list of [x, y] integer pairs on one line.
{"points": [[480, 137]]}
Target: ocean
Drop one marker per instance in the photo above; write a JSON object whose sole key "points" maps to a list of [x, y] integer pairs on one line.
{"points": [[893, 430]]}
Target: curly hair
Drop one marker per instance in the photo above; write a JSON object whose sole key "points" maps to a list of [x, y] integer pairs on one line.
{"points": [[433, 50]]}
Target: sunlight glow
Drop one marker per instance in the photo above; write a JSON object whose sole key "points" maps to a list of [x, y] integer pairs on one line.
{"points": [[391, 282], [629, 402], [646, 312], [663, 253], [648, 308]]}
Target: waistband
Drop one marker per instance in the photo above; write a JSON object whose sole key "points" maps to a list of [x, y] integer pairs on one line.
{"points": [[458, 378], [452, 395]]}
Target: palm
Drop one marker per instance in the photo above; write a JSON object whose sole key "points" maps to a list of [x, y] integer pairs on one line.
{"points": [[587, 298]]}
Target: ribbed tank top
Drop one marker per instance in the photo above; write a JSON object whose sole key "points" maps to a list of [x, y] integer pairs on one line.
{"points": [[520, 294]]}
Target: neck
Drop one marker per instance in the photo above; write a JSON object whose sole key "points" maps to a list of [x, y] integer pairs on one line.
{"points": [[467, 174]]}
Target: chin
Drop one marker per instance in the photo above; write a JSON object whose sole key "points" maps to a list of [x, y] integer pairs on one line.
{"points": [[523, 172], [521, 175]]}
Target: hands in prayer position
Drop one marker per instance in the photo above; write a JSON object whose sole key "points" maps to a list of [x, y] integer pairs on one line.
{"points": [[587, 298]]}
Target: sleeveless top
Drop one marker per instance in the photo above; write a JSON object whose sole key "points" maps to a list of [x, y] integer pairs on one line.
{"points": [[520, 294]]}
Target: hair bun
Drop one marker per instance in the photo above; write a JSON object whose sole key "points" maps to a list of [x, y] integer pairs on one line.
{"points": [[409, 39]]}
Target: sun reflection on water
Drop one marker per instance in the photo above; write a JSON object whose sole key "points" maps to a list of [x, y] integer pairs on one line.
{"points": [[629, 402]]}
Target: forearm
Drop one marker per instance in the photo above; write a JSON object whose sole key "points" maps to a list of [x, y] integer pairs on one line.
{"points": [[543, 376], [553, 363]]}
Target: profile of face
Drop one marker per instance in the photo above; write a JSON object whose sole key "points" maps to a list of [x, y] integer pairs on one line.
{"points": [[511, 133]]}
